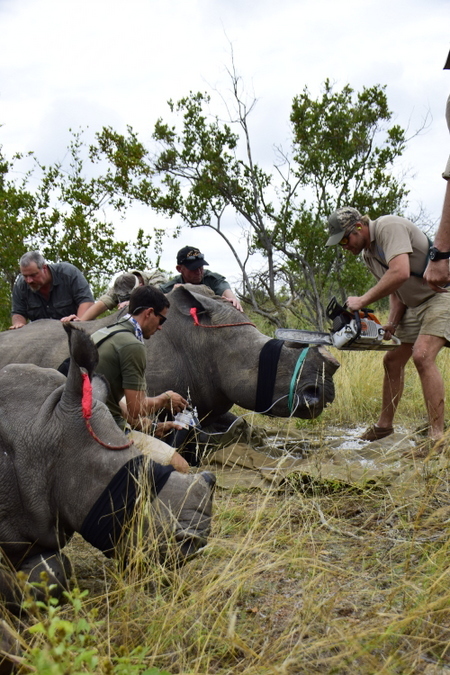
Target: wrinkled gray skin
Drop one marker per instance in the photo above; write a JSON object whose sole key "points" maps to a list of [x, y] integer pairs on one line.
{"points": [[52, 472], [217, 366]]}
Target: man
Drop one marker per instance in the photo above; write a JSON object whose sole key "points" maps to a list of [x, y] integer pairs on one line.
{"points": [[122, 360], [118, 294], [190, 265], [437, 273], [396, 252], [44, 291]]}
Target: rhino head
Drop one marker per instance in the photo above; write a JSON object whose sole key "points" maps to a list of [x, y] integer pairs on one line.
{"points": [[214, 353]]}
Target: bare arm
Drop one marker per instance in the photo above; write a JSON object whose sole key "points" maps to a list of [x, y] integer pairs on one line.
{"points": [[230, 296], [394, 277], [93, 311], [140, 404], [437, 273], [17, 321], [80, 311]]}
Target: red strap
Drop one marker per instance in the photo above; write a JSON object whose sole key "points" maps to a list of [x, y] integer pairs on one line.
{"points": [[193, 313], [86, 400]]}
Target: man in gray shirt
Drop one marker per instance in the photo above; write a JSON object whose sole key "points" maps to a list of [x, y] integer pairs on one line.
{"points": [[44, 291]]}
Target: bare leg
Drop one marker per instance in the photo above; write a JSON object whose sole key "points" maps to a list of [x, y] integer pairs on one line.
{"points": [[426, 348], [394, 370]]}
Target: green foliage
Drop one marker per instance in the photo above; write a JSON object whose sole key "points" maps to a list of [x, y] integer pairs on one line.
{"points": [[66, 641], [343, 153], [65, 217]]}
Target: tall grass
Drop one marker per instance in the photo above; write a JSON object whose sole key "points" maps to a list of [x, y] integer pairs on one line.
{"points": [[292, 580]]}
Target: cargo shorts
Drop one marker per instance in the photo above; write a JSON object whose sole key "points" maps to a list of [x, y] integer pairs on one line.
{"points": [[432, 317]]}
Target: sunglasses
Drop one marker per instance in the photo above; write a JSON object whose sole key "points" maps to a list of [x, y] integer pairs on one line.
{"points": [[162, 318], [344, 241], [193, 255]]}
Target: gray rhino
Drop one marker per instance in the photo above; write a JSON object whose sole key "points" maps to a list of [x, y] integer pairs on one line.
{"points": [[66, 467], [221, 360]]}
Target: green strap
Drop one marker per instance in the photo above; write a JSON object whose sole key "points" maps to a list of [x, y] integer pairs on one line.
{"points": [[295, 375]]}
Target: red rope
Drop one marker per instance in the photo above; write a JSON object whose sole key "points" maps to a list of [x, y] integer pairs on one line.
{"points": [[86, 406], [106, 445], [193, 313]]}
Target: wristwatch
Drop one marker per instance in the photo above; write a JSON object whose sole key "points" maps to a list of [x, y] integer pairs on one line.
{"points": [[436, 254]]}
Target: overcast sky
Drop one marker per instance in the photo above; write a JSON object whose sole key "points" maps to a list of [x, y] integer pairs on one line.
{"points": [[66, 64]]}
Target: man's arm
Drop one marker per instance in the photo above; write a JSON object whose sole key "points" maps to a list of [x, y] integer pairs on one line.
{"points": [[140, 404], [80, 311], [93, 311], [17, 321], [437, 273], [394, 277]]}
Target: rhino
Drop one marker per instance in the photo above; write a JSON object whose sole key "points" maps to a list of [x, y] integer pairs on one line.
{"points": [[209, 351], [66, 467]]}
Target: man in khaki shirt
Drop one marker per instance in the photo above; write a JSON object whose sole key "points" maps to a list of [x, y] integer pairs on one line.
{"points": [[396, 252], [437, 274]]}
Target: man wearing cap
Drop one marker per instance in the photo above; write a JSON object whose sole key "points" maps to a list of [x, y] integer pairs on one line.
{"points": [[396, 253], [437, 273], [190, 265], [118, 293], [123, 361]]}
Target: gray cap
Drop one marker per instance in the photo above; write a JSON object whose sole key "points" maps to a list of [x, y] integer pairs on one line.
{"points": [[340, 221]]}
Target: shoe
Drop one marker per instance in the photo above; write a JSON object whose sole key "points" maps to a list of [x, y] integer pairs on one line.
{"points": [[375, 433]]}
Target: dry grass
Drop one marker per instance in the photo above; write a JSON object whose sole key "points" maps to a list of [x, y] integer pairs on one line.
{"points": [[297, 581]]}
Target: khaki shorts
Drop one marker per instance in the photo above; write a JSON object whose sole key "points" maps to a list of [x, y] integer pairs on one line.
{"points": [[432, 317]]}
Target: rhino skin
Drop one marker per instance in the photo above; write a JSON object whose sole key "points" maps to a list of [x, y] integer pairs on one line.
{"points": [[216, 366], [53, 471]]}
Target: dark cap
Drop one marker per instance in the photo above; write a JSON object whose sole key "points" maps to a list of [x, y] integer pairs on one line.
{"points": [[190, 257], [447, 63], [340, 221]]}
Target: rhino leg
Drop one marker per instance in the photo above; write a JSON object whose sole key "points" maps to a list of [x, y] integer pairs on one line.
{"points": [[181, 513], [57, 569]]}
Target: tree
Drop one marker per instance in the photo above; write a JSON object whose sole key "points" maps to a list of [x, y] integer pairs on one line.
{"points": [[343, 152], [64, 217]]}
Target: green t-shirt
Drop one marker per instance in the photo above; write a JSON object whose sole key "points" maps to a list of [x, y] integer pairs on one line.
{"points": [[122, 360]]}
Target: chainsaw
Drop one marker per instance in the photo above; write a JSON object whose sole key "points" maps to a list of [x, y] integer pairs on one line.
{"points": [[351, 331]]}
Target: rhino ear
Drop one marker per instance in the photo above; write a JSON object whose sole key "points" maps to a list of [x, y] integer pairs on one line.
{"points": [[203, 299], [82, 350]]}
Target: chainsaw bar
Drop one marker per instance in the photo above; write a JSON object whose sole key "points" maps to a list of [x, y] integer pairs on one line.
{"points": [[311, 337], [307, 337]]}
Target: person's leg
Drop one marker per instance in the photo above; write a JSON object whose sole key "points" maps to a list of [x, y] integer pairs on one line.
{"points": [[158, 451], [426, 349], [394, 373]]}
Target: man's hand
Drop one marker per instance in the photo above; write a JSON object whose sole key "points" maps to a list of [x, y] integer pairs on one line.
{"points": [[164, 428], [17, 325], [354, 303], [437, 275], [71, 317], [179, 463], [172, 401]]}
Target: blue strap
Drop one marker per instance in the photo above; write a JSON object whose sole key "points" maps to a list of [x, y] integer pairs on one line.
{"points": [[295, 375]]}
